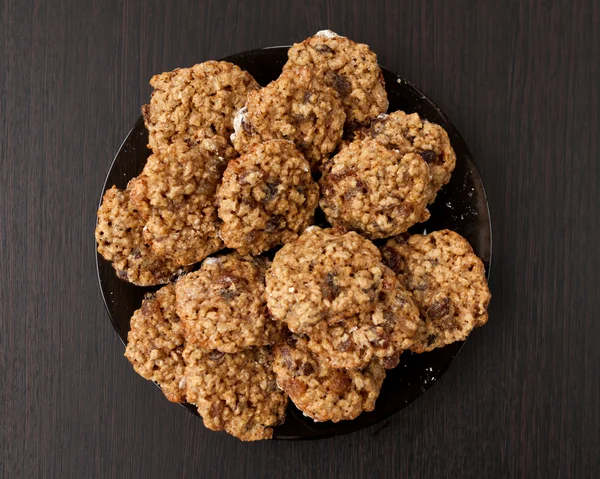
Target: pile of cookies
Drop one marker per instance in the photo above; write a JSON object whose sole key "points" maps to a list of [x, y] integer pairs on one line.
{"points": [[286, 309]]}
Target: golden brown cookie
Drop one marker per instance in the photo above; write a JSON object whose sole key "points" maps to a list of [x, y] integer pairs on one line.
{"points": [[333, 287], [236, 392], [155, 343], [267, 198], [375, 191], [294, 107], [201, 100], [177, 191], [348, 67], [324, 274], [120, 241], [322, 392], [222, 305], [408, 133], [381, 333], [448, 284]]}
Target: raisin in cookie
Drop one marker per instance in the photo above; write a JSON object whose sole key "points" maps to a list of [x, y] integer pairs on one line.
{"points": [[201, 99], [410, 134], [155, 343], [322, 392], [374, 190], [119, 234], [267, 198], [177, 191], [222, 305], [294, 107], [348, 67], [447, 281], [236, 392]]}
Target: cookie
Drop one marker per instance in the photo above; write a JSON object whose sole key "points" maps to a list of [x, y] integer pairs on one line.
{"points": [[376, 191], [322, 392], [236, 392], [177, 190], [348, 67], [334, 288], [267, 198], [155, 343], [119, 235], [294, 107], [222, 305], [324, 274], [202, 100], [382, 333], [448, 284], [408, 133]]}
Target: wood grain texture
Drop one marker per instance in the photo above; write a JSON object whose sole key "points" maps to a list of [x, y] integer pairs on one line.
{"points": [[520, 80]]}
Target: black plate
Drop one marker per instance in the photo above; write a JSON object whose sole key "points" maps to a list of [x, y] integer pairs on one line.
{"points": [[460, 206]]}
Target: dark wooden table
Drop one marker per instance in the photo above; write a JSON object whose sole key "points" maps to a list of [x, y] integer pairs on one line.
{"points": [[521, 81]]}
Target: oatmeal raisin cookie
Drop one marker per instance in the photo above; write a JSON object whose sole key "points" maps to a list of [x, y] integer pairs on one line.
{"points": [[375, 191], [267, 198], [155, 343], [222, 305], [448, 284], [202, 99], [348, 67], [294, 107], [119, 234], [236, 392], [322, 392]]}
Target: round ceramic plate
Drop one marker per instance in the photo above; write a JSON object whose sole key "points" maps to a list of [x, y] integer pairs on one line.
{"points": [[460, 206]]}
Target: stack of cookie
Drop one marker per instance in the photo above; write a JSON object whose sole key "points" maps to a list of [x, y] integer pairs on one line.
{"points": [[166, 219], [206, 340], [321, 319]]}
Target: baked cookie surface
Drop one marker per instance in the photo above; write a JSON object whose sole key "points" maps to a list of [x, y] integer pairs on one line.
{"points": [[376, 191], [381, 333], [333, 287], [448, 284], [236, 392], [326, 274], [294, 107], [119, 235], [155, 343], [202, 99], [176, 191], [222, 305], [267, 198], [322, 392], [349, 68], [408, 133]]}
